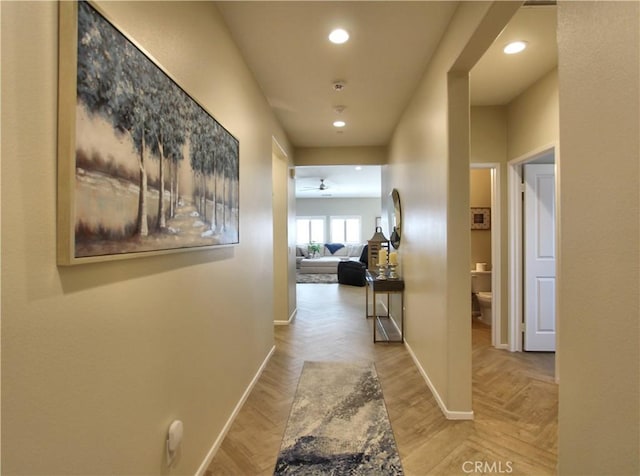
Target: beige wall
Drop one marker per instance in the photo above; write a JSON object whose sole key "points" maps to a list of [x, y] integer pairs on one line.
{"points": [[502, 133], [489, 145], [599, 64], [98, 359], [429, 165], [480, 196], [533, 117], [489, 134], [532, 125], [291, 238], [374, 155], [284, 261]]}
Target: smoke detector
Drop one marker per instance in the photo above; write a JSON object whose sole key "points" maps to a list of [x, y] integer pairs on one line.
{"points": [[339, 86]]}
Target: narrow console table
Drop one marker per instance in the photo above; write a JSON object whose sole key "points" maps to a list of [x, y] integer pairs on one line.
{"points": [[386, 324]]}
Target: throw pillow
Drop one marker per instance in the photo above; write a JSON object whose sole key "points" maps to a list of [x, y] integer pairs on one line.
{"points": [[333, 247], [341, 252], [354, 250], [364, 257]]}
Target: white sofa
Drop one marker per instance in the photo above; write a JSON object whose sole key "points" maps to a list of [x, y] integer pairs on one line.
{"points": [[326, 261]]}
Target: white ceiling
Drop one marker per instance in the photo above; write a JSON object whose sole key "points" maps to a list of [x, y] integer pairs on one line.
{"points": [[498, 78], [285, 45], [342, 181]]}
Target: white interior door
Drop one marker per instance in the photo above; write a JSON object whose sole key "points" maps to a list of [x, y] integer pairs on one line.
{"points": [[539, 257]]}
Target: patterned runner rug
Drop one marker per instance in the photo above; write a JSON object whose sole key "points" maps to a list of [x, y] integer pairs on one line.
{"points": [[324, 278], [338, 424]]}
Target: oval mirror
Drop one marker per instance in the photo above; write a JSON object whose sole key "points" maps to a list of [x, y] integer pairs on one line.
{"points": [[396, 219]]}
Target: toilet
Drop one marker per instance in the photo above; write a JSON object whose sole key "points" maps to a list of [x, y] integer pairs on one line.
{"points": [[481, 289]]}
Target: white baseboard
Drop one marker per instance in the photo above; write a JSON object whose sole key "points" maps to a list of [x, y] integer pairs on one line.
{"points": [[449, 414], [287, 322], [216, 445]]}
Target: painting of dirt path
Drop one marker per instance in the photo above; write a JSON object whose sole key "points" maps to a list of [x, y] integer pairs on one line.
{"points": [[149, 169]]}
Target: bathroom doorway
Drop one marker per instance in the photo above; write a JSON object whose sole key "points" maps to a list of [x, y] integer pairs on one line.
{"points": [[486, 242]]}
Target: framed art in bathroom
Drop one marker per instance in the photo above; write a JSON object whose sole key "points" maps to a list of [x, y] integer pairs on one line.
{"points": [[143, 168], [480, 218]]}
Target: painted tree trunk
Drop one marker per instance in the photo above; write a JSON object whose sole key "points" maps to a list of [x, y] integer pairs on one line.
{"points": [[203, 198], [214, 215], [224, 203], [142, 226], [171, 190], [176, 200], [162, 223]]}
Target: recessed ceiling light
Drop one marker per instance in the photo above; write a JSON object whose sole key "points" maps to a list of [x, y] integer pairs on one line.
{"points": [[338, 36], [515, 47], [339, 124], [358, 168]]}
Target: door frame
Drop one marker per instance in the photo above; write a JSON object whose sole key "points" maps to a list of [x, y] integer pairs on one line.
{"points": [[516, 257], [496, 250], [284, 250]]}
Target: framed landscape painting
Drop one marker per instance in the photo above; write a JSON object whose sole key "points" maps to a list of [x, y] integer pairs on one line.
{"points": [[143, 168]]}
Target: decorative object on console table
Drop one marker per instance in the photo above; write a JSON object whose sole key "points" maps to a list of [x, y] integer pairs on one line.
{"points": [[382, 264], [376, 243], [393, 263], [389, 326]]}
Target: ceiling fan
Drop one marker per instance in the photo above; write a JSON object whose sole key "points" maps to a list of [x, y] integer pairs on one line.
{"points": [[323, 186]]}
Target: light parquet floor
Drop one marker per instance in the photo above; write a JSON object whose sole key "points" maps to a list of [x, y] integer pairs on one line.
{"points": [[514, 397]]}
